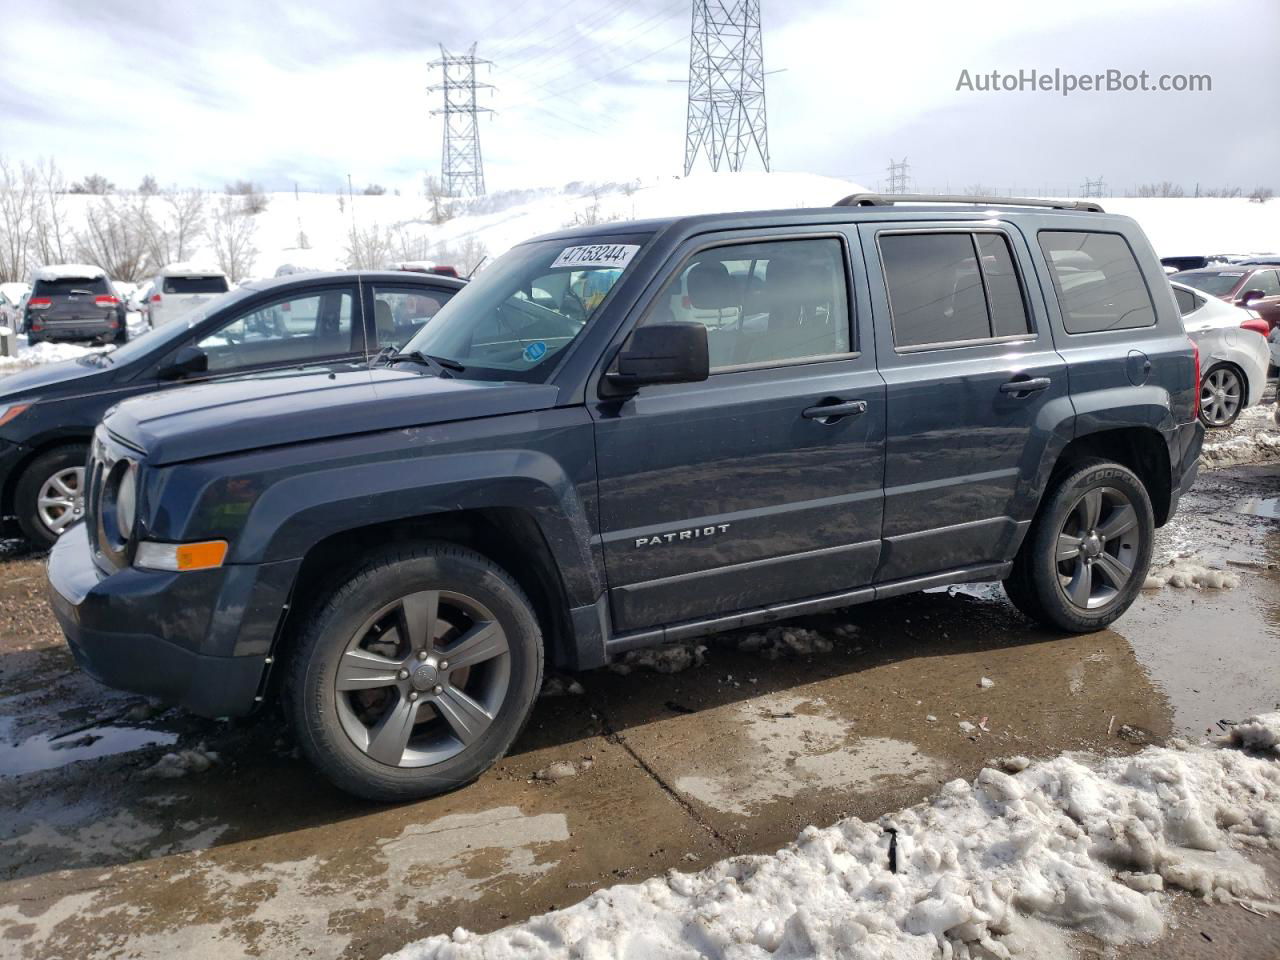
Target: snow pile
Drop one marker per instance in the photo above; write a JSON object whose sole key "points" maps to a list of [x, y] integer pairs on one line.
{"points": [[1253, 438], [46, 352], [175, 765], [672, 658], [996, 868], [1261, 733], [1185, 574], [778, 642]]}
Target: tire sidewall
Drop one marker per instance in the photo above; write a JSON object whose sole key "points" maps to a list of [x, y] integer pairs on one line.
{"points": [[314, 699], [1044, 569]]}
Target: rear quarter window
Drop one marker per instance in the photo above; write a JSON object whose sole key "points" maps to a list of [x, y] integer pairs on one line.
{"points": [[195, 285], [1097, 280]]}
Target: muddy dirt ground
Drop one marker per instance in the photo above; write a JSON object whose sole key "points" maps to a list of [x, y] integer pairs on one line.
{"points": [[248, 852]]}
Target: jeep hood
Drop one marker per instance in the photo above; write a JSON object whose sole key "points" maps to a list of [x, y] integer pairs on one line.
{"points": [[233, 416]]}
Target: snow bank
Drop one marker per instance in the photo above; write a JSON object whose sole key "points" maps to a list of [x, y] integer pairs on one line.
{"points": [[1253, 438], [999, 867], [46, 352]]}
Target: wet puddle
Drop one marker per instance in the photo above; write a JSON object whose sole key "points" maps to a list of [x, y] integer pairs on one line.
{"points": [[49, 751], [1261, 507]]}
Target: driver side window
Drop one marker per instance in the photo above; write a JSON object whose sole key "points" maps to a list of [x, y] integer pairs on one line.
{"points": [[299, 329]]}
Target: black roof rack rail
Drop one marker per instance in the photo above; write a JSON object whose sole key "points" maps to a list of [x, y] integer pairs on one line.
{"points": [[888, 200]]}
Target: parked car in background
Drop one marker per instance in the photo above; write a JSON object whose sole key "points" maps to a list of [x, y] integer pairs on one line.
{"points": [[48, 413], [1255, 287], [73, 301], [396, 551], [424, 266], [11, 304], [1234, 354], [1194, 262], [181, 287]]}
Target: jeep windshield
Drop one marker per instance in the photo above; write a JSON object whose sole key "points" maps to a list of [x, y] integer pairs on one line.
{"points": [[513, 321]]}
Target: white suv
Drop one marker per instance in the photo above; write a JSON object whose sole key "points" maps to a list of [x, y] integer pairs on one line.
{"points": [[180, 287]]}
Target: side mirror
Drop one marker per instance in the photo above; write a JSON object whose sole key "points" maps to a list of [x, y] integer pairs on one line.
{"points": [[1249, 296], [661, 353], [186, 361]]}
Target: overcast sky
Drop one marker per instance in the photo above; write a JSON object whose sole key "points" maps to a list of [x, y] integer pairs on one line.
{"points": [[307, 91]]}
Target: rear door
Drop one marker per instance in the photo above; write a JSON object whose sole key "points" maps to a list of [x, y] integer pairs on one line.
{"points": [[1268, 281], [969, 367], [739, 492]]}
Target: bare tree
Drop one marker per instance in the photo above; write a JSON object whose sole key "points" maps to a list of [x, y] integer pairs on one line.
{"points": [[374, 190], [252, 200], [54, 236], [407, 244], [591, 214], [1222, 192], [1165, 188], [94, 183], [368, 248], [442, 208], [114, 239], [466, 256], [233, 235], [18, 219], [149, 187], [174, 233], [1261, 194]]}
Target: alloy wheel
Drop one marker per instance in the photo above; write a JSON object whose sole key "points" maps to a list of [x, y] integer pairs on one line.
{"points": [[423, 678], [1097, 547], [1220, 396], [61, 499]]}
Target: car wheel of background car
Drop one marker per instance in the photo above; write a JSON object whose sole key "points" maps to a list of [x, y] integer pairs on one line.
{"points": [[417, 674], [49, 496], [1088, 550], [1222, 393]]}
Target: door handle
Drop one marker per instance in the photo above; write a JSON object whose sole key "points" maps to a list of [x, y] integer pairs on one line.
{"points": [[830, 412], [1026, 385]]}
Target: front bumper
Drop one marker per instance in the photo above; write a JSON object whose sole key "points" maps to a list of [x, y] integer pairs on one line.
{"points": [[202, 640]]}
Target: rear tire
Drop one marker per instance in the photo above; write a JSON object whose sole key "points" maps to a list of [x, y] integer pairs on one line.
{"points": [[1087, 553], [375, 702], [1223, 394], [46, 479]]}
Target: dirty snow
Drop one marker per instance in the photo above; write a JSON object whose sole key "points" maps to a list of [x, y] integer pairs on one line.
{"points": [[1184, 573], [561, 687], [1253, 438], [1004, 866], [672, 658], [778, 642], [1260, 733], [181, 763], [46, 352]]}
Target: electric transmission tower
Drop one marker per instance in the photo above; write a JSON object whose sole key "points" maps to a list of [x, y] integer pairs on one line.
{"points": [[726, 116], [899, 176], [1093, 188], [461, 168]]}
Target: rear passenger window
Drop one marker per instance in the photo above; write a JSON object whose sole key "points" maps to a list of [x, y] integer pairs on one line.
{"points": [[763, 302], [1097, 280], [952, 287]]}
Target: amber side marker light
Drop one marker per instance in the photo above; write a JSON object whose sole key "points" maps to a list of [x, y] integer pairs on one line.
{"points": [[180, 557]]}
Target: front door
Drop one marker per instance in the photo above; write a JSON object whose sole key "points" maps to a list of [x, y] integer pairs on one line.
{"points": [[969, 365], [739, 492]]}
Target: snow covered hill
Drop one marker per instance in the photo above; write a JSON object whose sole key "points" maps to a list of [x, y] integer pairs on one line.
{"points": [[317, 231]]}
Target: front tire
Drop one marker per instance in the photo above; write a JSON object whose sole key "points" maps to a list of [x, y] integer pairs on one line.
{"points": [[417, 674], [1087, 553], [49, 496]]}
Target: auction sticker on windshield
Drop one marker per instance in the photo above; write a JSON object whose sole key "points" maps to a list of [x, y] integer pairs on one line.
{"points": [[616, 255]]}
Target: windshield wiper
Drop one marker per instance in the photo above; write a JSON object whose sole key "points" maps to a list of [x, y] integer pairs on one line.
{"points": [[440, 365]]}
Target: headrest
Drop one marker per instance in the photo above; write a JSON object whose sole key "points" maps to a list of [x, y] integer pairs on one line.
{"points": [[711, 287]]}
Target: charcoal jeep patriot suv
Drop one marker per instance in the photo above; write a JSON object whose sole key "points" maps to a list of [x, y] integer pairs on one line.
{"points": [[635, 433]]}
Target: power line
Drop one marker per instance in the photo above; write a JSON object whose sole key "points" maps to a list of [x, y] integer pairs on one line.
{"points": [[899, 176]]}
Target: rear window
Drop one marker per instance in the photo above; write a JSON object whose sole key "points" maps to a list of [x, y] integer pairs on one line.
{"points": [[65, 286], [1098, 282], [1188, 302], [195, 285], [952, 287], [1214, 284]]}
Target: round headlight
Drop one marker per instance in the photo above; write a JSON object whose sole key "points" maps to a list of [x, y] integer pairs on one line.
{"points": [[120, 502]]}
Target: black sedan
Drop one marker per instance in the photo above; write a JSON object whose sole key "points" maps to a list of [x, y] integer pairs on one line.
{"points": [[48, 414]]}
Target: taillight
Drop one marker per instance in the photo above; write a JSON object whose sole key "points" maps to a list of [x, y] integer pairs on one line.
{"points": [[39, 303], [106, 301], [1195, 349], [155, 298], [1257, 326]]}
